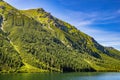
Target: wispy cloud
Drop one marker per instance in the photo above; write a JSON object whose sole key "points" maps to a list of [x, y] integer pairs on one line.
{"points": [[94, 17], [85, 23]]}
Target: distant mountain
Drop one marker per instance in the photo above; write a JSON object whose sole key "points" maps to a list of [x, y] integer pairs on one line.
{"points": [[35, 41]]}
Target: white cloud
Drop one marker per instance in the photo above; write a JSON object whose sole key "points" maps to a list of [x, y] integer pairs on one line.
{"points": [[111, 43], [79, 18], [85, 23]]}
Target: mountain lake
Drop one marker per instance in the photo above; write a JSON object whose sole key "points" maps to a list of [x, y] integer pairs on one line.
{"points": [[61, 76]]}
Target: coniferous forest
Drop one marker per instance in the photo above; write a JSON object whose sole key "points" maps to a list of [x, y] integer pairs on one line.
{"points": [[35, 41]]}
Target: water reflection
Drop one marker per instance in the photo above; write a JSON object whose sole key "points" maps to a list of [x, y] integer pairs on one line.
{"points": [[61, 76]]}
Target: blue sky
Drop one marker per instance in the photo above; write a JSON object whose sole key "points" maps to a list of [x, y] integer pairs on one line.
{"points": [[98, 18]]}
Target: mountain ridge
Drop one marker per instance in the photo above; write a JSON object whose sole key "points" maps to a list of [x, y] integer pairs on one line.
{"points": [[44, 43]]}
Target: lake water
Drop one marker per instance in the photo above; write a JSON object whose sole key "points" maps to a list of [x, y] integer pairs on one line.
{"points": [[61, 76]]}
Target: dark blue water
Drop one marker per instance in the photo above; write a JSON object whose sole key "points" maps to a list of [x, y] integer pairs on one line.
{"points": [[61, 76]]}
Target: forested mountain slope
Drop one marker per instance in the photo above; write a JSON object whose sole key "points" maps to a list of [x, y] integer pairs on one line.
{"points": [[35, 41]]}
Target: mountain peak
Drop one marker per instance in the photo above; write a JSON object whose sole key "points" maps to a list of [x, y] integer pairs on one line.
{"points": [[36, 9], [40, 10]]}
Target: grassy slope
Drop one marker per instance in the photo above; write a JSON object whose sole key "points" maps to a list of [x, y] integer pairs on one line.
{"points": [[7, 57], [110, 57], [45, 42], [10, 60]]}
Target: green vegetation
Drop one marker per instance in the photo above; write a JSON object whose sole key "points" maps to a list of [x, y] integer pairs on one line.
{"points": [[35, 41]]}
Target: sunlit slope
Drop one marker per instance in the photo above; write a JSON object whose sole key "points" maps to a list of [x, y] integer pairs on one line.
{"points": [[45, 43]]}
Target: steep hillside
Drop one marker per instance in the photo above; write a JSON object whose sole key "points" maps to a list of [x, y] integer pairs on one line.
{"points": [[41, 42], [9, 58]]}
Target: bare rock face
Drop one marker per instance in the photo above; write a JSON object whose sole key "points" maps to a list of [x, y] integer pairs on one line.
{"points": [[2, 7]]}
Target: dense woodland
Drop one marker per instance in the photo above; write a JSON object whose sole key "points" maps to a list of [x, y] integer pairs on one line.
{"points": [[35, 41]]}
